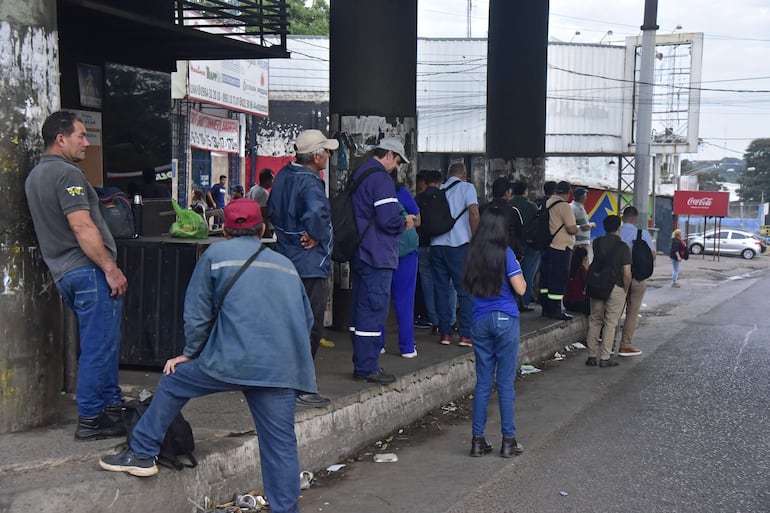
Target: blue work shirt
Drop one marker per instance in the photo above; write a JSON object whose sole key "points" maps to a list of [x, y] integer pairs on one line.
{"points": [[505, 301]]}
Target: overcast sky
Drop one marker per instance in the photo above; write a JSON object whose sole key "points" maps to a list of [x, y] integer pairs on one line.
{"points": [[736, 54]]}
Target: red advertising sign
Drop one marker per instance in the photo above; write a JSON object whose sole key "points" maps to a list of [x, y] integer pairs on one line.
{"points": [[700, 203]]}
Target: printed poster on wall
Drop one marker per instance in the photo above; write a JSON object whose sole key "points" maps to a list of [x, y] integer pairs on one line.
{"points": [[90, 81], [214, 133], [239, 85]]}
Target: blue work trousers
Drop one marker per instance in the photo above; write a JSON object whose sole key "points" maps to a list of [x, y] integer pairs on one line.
{"points": [[447, 264], [530, 260], [86, 291], [402, 289], [496, 346], [271, 408], [369, 308], [554, 274]]}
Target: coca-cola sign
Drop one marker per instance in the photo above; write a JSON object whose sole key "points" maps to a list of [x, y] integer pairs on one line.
{"points": [[701, 203]]}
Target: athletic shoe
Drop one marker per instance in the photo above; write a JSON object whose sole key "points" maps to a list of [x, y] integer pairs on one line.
{"points": [[465, 342], [413, 354], [423, 324], [628, 351], [127, 461], [445, 339]]}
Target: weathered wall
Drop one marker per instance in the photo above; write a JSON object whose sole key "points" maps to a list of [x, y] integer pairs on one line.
{"points": [[31, 349]]}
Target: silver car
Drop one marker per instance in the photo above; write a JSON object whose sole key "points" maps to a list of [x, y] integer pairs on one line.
{"points": [[728, 242]]}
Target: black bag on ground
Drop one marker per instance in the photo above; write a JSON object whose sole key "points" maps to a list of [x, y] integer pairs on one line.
{"points": [[179, 440], [435, 214], [346, 238], [116, 211], [537, 233], [601, 279], [641, 258]]}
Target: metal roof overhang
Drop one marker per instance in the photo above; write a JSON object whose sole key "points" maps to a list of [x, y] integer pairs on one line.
{"points": [[114, 34]]}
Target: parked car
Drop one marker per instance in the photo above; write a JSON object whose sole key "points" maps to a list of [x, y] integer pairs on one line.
{"points": [[728, 242]]}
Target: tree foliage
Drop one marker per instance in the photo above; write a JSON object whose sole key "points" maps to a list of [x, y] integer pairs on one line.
{"points": [[755, 181], [310, 20]]}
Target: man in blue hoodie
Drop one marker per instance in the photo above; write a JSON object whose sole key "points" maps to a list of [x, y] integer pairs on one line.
{"points": [[262, 353], [379, 220], [301, 217]]}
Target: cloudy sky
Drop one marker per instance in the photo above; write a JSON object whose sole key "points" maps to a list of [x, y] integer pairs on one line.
{"points": [[735, 98]]}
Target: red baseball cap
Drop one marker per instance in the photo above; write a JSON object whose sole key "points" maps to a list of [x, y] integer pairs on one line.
{"points": [[242, 213]]}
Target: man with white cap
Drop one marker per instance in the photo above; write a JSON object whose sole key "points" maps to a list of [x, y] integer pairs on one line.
{"points": [[301, 217], [380, 223]]}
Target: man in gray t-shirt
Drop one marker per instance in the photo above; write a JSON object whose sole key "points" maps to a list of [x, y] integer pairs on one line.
{"points": [[80, 253]]}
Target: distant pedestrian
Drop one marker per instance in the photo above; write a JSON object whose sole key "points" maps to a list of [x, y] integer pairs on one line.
{"points": [[237, 192], [609, 252], [530, 257], [554, 264], [217, 195], [677, 253], [261, 352], [80, 253], [492, 275], [583, 235], [261, 192]]}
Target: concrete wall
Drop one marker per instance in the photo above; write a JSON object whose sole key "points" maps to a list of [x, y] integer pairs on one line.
{"points": [[31, 350]]}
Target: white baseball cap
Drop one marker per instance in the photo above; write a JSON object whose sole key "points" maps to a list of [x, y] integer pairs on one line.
{"points": [[395, 145], [309, 141]]}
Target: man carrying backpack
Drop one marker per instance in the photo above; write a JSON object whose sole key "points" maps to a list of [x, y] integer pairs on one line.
{"points": [[530, 257], [643, 259], [554, 267], [609, 254], [447, 253], [261, 352], [380, 223]]}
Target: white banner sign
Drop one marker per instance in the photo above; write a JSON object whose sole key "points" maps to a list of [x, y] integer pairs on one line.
{"points": [[240, 85], [213, 133]]}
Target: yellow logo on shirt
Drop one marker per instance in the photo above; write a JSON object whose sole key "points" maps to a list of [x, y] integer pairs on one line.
{"points": [[76, 190]]}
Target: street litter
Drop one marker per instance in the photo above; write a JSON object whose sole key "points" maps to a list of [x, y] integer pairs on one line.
{"points": [[449, 408], [563, 494], [305, 478], [578, 345], [558, 356], [335, 467], [529, 369], [386, 457]]}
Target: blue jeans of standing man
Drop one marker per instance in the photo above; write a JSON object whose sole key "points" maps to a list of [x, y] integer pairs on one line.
{"points": [[86, 292], [369, 308], [530, 260], [447, 266], [496, 346], [271, 408]]}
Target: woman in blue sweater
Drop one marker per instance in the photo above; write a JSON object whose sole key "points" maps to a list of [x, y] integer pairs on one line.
{"points": [[492, 275]]}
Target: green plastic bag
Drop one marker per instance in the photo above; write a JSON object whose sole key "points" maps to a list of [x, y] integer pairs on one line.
{"points": [[189, 224]]}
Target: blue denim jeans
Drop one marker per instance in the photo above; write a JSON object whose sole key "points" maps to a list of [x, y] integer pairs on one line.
{"points": [[271, 408], [496, 346], [86, 292], [447, 265], [370, 302], [674, 271], [530, 260]]}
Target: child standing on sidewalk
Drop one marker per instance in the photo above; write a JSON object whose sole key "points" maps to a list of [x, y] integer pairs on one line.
{"points": [[492, 274]]}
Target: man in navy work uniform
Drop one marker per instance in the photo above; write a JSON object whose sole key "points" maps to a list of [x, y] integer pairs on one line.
{"points": [[379, 220], [80, 252], [301, 217], [263, 353]]}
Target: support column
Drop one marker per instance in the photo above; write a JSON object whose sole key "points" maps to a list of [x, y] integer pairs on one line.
{"points": [[31, 347], [516, 90]]}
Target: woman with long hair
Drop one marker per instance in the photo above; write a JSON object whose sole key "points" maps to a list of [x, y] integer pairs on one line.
{"points": [[492, 275], [677, 253]]}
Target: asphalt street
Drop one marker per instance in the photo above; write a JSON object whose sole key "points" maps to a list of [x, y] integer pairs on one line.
{"points": [[681, 428]]}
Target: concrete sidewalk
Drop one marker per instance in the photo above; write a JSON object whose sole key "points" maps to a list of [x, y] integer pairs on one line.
{"points": [[46, 470]]}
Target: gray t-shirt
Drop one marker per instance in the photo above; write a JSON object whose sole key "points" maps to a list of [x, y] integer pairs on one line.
{"points": [[54, 188], [259, 194]]}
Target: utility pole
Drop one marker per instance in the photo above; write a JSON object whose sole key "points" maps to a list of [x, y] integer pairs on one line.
{"points": [[470, 10], [644, 113]]}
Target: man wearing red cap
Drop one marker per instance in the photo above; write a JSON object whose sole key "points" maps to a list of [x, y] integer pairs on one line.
{"points": [[238, 350]]}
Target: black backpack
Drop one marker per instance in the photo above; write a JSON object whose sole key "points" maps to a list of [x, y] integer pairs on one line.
{"points": [[435, 214], [346, 238], [116, 211], [178, 441], [600, 280], [641, 258], [537, 233]]}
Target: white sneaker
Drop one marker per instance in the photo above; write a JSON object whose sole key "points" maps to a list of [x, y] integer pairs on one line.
{"points": [[382, 351], [409, 355]]}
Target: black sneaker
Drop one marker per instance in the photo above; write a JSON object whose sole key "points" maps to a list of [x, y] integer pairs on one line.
{"points": [[608, 363], [313, 400], [379, 377], [422, 323], [127, 461]]}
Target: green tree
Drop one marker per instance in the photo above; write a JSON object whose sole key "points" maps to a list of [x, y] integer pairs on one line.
{"points": [[709, 181], [310, 20], [755, 180]]}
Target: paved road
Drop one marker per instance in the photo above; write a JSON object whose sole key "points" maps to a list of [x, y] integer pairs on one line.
{"points": [[681, 428]]}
